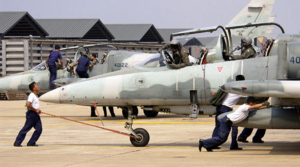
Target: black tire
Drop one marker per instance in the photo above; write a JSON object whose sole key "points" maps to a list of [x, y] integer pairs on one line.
{"points": [[150, 113], [144, 138], [125, 111]]}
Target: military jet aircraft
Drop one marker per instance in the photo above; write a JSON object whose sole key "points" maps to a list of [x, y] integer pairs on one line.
{"points": [[256, 10], [183, 91], [115, 60]]}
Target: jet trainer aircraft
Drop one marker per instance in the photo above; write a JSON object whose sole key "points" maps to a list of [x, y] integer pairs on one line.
{"points": [[183, 91], [255, 10], [115, 60]]}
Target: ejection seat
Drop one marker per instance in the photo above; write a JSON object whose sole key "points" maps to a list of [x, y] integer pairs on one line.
{"points": [[264, 44]]}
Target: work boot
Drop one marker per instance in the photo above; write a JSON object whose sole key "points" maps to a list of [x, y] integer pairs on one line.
{"points": [[242, 139], [17, 145]]}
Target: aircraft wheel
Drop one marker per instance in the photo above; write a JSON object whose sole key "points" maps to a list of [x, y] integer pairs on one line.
{"points": [[150, 113], [143, 138], [125, 111]]}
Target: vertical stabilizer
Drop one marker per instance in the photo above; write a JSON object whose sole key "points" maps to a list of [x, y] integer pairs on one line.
{"points": [[255, 11]]}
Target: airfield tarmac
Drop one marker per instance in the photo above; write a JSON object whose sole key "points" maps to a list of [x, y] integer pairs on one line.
{"points": [[173, 141]]}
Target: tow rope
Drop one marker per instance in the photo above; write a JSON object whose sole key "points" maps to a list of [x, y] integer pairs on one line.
{"points": [[114, 131]]}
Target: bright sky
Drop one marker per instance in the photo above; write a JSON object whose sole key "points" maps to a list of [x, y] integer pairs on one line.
{"points": [[161, 13]]}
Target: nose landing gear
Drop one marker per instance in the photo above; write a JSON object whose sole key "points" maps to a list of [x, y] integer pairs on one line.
{"points": [[141, 134]]}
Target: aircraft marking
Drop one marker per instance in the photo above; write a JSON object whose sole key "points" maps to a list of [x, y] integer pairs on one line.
{"points": [[293, 60], [121, 64], [220, 68]]}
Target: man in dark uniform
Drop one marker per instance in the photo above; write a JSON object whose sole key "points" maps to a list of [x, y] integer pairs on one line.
{"points": [[111, 110], [52, 62], [228, 103], [32, 118], [83, 64], [226, 123], [260, 133], [180, 54], [247, 49]]}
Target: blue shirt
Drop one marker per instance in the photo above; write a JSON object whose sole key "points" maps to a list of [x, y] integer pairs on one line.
{"points": [[54, 55], [83, 64]]}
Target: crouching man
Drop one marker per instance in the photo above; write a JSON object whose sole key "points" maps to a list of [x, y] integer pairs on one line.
{"points": [[226, 123]]}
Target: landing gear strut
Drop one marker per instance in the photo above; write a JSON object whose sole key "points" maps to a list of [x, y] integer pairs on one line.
{"points": [[142, 134], [134, 110]]}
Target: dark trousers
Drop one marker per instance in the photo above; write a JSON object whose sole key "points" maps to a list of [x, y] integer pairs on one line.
{"points": [[220, 110], [222, 136], [53, 73], [32, 120], [111, 110], [82, 74], [93, 113], [260, 133]]}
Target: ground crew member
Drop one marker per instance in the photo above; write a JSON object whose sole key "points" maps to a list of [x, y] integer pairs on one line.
{"points": [[226, 123], [32, 118], [180, 54], [260, 133], [228, 103], [94, 61], [52, 61], [111, 110], [247, 49], [83, 64]]}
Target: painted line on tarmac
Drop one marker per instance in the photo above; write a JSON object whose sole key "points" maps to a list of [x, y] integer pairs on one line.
{"points": [[162, 122], [1, 141], [169, 122], [48, 127]]}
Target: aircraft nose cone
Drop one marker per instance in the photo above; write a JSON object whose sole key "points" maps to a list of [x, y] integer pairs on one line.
{"points": [[52, 96], [222, 87], [4, 84]]}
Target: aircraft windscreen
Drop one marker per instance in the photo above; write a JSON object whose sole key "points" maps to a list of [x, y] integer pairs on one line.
{"points": [[156, 60], [40, 67]]}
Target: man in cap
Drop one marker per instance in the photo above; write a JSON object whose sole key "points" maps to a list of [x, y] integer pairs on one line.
{"points": [[180, 54]]}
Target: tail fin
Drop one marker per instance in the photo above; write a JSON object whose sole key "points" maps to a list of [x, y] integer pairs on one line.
{"points": [[254, 11]]}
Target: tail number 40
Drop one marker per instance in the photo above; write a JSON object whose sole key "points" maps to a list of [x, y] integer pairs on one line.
{"points": [[295, 60]]}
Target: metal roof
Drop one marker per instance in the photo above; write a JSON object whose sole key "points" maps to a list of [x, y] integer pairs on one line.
{"points": [[135, 32], [75, 28], [166, 32], [19, 24]]}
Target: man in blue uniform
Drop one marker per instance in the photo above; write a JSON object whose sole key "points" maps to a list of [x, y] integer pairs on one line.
{"points": [[226, 123], [83, 63], [111, 110], [52, 61], [260, 133], [32, 118], [228, 103]]}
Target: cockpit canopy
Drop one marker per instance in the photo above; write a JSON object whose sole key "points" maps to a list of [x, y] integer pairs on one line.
{"points": [[157, 60], [40, 67]]}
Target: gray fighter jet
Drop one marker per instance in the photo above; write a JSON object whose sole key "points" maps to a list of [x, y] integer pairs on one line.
{"points": [[114, 61], [187, 90], [254, 11]]}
